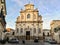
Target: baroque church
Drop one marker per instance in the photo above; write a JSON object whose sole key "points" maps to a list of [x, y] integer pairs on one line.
{"points": [[29, 23]]}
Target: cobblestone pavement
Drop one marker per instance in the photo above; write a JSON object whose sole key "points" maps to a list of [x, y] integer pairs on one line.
{"points": [[30, 43]]}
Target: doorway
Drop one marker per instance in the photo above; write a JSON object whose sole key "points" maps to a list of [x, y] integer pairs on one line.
{"points": [[27, 35]]}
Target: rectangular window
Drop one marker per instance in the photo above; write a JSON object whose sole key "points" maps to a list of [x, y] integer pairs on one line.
{"points": [[17, 30], [59, 36], [2, 1], [21, 31], [34, 30], [39, 30]]}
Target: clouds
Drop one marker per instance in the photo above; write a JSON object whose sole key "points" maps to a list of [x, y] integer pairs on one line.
{"points": [[49, 9], [18, 2], [49, 6]]}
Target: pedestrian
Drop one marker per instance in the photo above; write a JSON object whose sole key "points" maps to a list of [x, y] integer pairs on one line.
{"points": [[23, 41]]}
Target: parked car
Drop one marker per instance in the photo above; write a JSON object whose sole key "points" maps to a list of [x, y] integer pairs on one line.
{"points": [[53, 41], [13, 40], [3, 41], [46, 40], [36, 40]]}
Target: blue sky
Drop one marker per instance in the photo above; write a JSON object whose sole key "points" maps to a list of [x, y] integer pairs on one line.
{"points": [[49, 9]]}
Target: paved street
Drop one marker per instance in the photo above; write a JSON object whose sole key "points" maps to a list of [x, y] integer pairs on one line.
{"points": [[31, 43]]}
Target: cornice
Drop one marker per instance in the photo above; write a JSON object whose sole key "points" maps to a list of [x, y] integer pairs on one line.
{"points": [[29, 21]]}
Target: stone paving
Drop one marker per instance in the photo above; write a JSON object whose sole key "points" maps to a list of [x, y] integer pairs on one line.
{"points": [[30, 43]]}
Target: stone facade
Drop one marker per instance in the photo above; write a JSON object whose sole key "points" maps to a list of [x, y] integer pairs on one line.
{"points": [[55, 30], [54, 24], [10, 33], [46, 32], [2, 16], [29, 24]]}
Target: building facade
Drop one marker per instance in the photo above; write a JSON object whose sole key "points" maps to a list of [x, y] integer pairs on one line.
{"points": [[46, 32], [29, 24], [10, 33], [55, 30], [2, 16]]}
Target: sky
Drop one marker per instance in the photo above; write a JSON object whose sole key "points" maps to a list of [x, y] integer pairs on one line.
{"points": [[48, 9]]}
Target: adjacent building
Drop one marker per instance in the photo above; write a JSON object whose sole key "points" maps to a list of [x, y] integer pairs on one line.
{"points": [[55, 30], [2, 16], [10, 33], [46, 32], [29, 23]]}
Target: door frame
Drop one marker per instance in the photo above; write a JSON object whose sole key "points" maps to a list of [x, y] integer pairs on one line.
{"points": [[27, 35]]}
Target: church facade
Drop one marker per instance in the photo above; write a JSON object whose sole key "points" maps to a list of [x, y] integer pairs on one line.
{"points": [[29, 24]]}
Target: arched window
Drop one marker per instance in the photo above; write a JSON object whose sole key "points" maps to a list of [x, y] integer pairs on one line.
{"points": [[55, 30], [28, 16]]}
